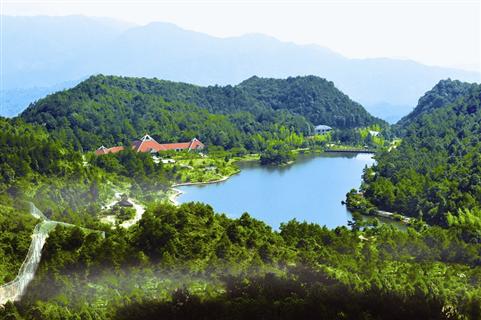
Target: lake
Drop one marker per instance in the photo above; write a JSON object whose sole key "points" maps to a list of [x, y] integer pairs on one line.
{"points": [[310, 189]]}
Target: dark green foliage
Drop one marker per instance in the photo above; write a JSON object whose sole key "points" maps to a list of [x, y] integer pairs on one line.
{"points": [[317, 99], [122, 213], [437, 167], [140, 168], [443, 93], [356, 202], [276, 154], [304, 270], [298, 295], [26, 150], [96, 113], [16, 227], [107, 110]]}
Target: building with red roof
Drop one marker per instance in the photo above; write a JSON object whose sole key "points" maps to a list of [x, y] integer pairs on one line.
{"points": [[104, 150], [148, 144]]}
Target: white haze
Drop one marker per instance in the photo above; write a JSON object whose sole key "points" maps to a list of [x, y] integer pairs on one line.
{"points": [[443, 33]]}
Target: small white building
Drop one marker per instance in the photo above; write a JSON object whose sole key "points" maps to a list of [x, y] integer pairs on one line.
{"points": [[321, 129]]}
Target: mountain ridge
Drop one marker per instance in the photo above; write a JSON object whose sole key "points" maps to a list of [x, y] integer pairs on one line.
{"points": [[205, 60], [111, 109]]}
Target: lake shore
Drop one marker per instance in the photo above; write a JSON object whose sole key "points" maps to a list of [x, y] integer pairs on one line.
{"points": [[173, 197], [394, 216], [275, 194]]}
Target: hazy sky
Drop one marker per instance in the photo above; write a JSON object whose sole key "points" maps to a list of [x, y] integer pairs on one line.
{"points": [[445, 33]]}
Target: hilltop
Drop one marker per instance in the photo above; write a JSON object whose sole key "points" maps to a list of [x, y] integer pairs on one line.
{"points": [[443, 93], [110, 109]]}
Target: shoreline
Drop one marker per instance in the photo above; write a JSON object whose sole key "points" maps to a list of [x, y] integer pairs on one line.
{"points": [[173, 197], [394, 216], [176, 192]]}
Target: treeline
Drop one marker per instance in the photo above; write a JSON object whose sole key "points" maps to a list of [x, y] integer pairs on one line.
{"points": [[224, 268], [108, 110], [437, 168]]}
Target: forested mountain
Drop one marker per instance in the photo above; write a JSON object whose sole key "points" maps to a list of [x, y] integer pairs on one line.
{"points": [[108, 110], [437, 168], [187, 262], [14, 101], [445, 92], [314, 98], [63, 49]]}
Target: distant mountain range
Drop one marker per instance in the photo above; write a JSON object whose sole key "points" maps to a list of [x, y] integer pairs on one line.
{"points": [[55, 50]]}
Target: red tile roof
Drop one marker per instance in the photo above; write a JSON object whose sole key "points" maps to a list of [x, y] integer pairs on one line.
{"points": [[148, 144], [103, 150], [191, 145]]}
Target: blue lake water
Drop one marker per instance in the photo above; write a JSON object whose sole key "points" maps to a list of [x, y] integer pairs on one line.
{"points": [[310, 190]]}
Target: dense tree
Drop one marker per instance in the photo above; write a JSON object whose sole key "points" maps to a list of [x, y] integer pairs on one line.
{"points": [[247, 270], [317, 99], [110, 110], [437, 168], [277, 153]]}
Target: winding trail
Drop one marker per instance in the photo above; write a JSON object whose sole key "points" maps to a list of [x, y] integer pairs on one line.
{"points": [[14, 290]]}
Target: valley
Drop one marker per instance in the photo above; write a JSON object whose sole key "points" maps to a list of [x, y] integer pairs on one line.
{"points": [[272, 236]]}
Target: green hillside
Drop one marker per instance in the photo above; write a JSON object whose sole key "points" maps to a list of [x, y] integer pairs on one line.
{"points": [[437, 168], [108, 110], [443, 93], [315, 98]]}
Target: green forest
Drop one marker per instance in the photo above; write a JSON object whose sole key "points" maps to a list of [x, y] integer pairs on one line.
{"points": [[108, 110], [436, 170], [189, 262]]}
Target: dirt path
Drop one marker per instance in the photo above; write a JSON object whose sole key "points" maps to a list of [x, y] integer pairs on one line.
{"points": [[139, 212]]}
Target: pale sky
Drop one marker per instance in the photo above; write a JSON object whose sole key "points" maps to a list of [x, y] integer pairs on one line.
{"points": [[444, 33]]}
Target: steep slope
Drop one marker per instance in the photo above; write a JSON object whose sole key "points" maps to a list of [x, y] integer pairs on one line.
{"points": [[443, 93], [76, 47], [437, 168], [108, 110]]}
